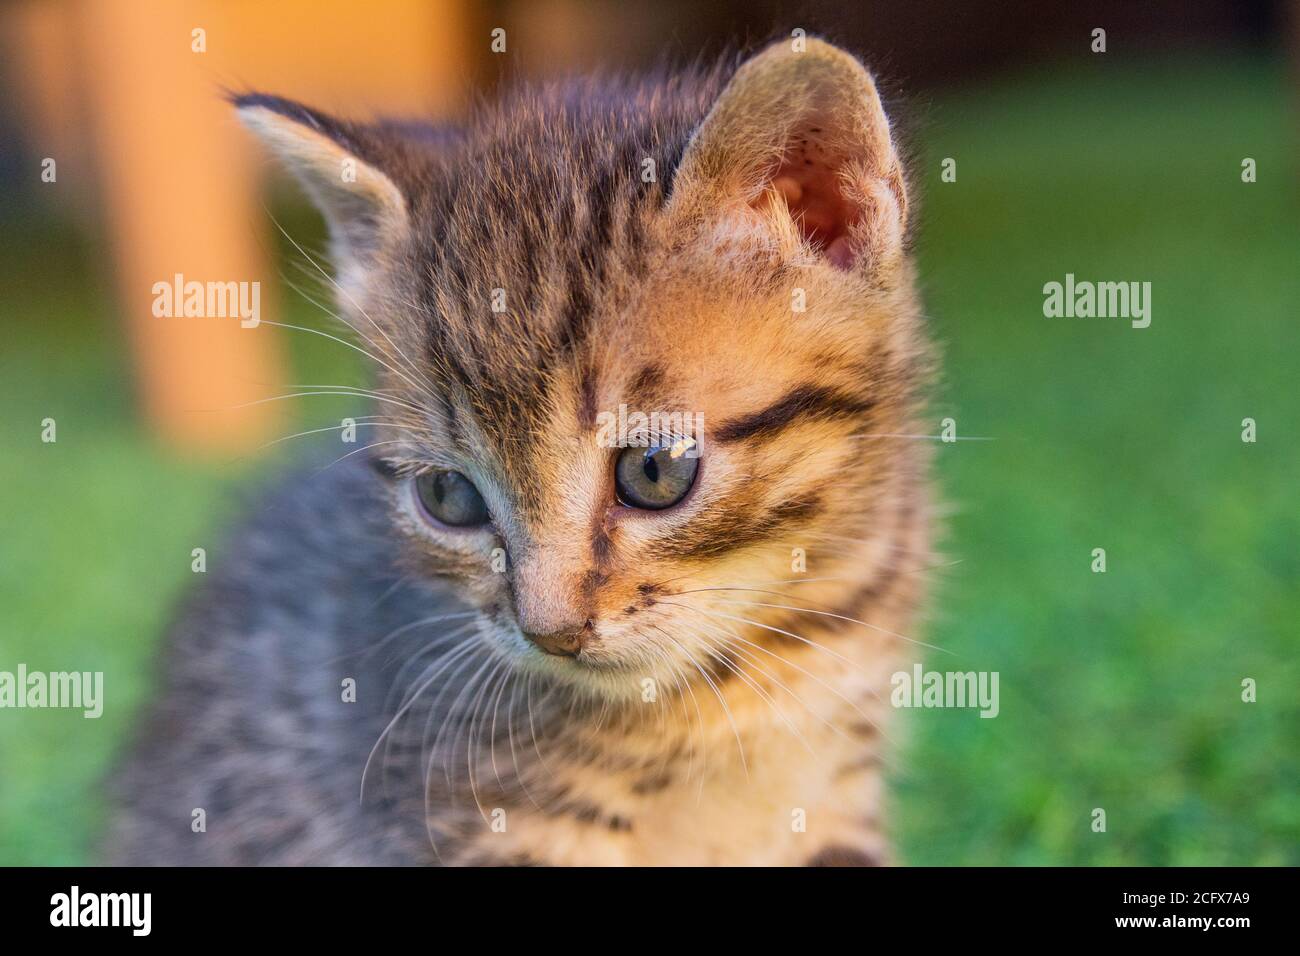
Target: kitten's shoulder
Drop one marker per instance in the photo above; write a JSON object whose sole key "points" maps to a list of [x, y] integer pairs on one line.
{"points": [[247, 724]]}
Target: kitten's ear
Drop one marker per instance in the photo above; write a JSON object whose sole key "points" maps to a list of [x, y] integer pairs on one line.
{"points": [[341, 166], [801, 132]]}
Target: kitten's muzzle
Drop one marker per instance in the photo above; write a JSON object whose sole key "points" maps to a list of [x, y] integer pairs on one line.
{"points": [[566, 643]]}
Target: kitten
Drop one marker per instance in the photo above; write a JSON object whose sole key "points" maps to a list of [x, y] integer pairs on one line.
{"points": [[504, 641]]}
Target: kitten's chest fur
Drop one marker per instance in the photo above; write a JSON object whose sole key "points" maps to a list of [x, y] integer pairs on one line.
{"points": [[808, 786]]}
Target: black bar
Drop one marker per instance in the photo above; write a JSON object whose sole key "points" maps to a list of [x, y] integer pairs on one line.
{"points": [[332, 906]]}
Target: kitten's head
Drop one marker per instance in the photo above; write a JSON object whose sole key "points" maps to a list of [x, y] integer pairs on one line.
{"points": [[714, 264]]}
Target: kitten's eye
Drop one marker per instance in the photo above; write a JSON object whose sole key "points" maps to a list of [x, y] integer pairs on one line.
{"points": [[655, 477], [451, 498]]}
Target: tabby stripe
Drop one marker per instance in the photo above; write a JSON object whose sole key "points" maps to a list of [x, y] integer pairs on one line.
{"points": [[806, 401], [739, 523], [640, 391]]}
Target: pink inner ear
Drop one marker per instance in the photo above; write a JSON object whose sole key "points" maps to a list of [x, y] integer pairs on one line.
{"points": [[808, 179]]}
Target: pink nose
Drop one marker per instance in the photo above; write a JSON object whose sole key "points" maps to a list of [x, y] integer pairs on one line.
{"points": [[562, 643]]}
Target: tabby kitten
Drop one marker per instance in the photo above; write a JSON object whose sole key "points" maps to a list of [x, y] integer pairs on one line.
{"points": [[509, 638]]}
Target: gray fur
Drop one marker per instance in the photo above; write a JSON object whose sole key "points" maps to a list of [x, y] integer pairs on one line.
{"points": [[250, 724]]}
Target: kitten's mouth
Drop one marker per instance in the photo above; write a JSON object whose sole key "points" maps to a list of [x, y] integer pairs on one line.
{"points": [[587, 661], [590, 667], [582, 659]]}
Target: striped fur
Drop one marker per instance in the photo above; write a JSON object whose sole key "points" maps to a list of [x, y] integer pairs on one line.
{"points": [[671, 293]]}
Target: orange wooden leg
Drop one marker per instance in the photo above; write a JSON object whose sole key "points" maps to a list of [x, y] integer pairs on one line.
{"points": [[180, 188]]}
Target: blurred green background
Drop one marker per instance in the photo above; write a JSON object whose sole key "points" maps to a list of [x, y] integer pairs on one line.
{"points": [[1119, 690]]}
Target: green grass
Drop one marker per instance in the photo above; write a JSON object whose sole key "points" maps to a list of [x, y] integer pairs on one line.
{"points": [[1118, 690]]}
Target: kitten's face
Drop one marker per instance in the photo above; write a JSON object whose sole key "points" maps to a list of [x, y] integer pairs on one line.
{"points": [[781, 397], [756, 296]]}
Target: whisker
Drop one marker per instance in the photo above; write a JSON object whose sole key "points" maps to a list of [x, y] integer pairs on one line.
{"points": [[437, 645], [354, 347], [460, 719], [451, 681], [368, 651], [344, 292], [472, 739], [789, 663], [358, 451], [334, 428], [718, 693], [532, 726], [392, 723], [681, 680], [281, 398], [511, 709], [763, 694], [927, 437], [776, 630], [841, 617]]}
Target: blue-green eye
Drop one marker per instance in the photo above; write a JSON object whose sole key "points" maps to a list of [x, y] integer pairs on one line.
{"points": [[655, 477], [451, 498]]}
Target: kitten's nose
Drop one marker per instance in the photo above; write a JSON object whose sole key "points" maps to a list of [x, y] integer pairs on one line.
{"points": [[564, 643]]}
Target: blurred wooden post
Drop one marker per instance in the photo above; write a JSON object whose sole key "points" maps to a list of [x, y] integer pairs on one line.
{"points": [[179, 190], [180, 176]]}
